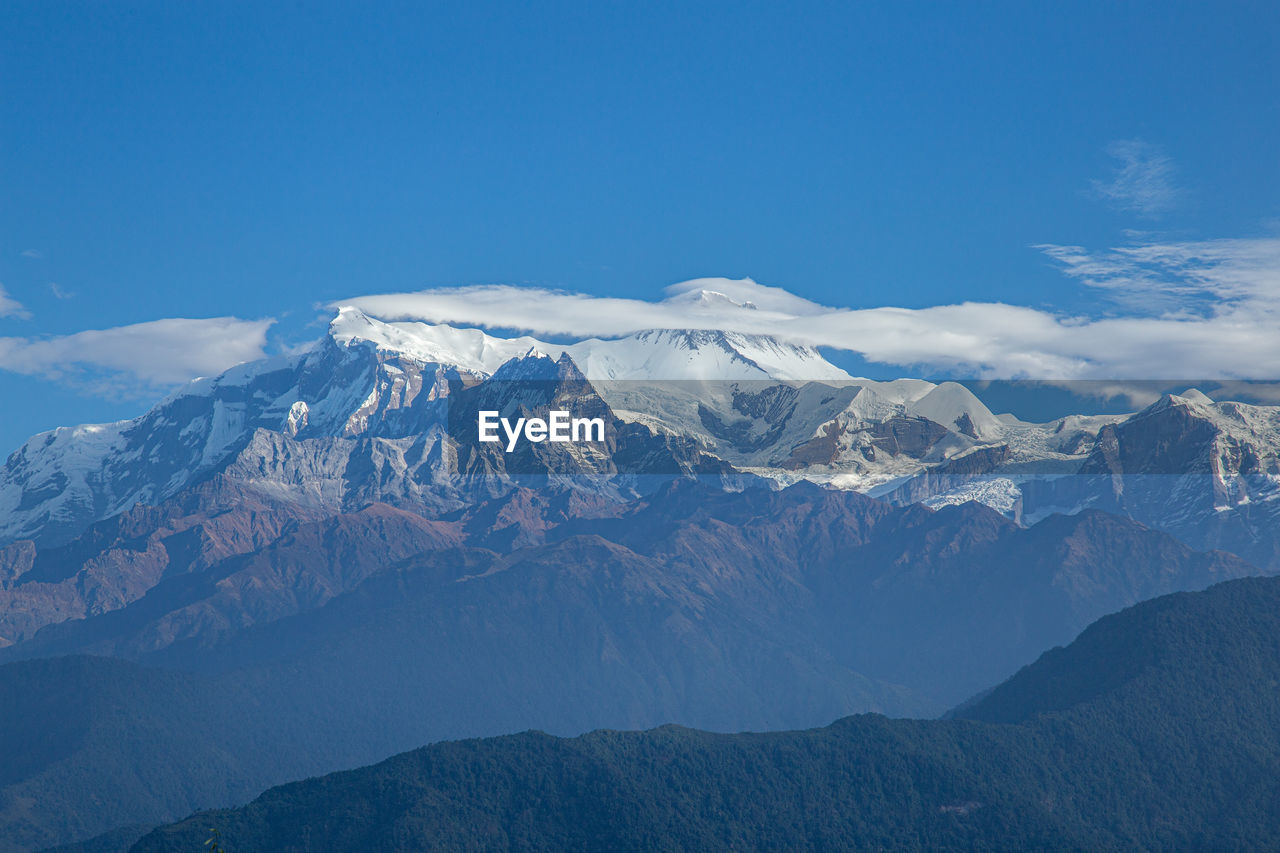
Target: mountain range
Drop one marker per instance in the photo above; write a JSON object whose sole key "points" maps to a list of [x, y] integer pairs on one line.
{"points": [[1154, 730], [312, 562], [364, 415], [364, 634]]}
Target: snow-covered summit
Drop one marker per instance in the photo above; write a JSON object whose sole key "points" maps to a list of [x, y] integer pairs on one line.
{"points": [[954, 406], [469, 349], [758, 402], [661, 354], [701, 355], [365, 378]]}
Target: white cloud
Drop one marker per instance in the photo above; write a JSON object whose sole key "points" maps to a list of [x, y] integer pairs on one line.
{"points": [[140, 357], [32, 254], [1207, 310], [1202, 277], [10, 307], [1143, 181], [59, 291], [702, 304]]}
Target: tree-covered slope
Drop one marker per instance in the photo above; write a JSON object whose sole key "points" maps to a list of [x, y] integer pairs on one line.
{"points": [[85, 737], [1156, 729], [760, 610]]}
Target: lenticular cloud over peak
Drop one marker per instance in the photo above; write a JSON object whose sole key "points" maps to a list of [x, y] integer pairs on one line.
{"points": [[709, 303], [745, 293], [1231, 339]]}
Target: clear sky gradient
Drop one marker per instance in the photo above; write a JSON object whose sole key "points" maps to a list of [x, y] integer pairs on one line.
{"points": [[257, 160]]}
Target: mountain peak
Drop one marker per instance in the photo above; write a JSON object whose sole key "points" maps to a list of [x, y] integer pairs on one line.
{"points": [[955, 406], [655, 354], [712, 299], [468, 349], [533, 366], [1195, 395], [349, 324], [1192, 400]]}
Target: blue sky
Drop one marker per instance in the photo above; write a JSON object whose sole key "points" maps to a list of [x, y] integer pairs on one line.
{"points": [[255, 161]]}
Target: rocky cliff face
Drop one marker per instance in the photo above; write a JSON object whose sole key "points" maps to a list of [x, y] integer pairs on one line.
{"points": [[1208, 473]]}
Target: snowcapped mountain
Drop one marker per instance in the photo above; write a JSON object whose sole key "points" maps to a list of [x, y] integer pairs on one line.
{"points": [[667, 354], [376, 411], [292, 427], [312, 524], [955, 407], [662, 354], [467, 349], [60, 481], [362, 415], [1208, 472]]}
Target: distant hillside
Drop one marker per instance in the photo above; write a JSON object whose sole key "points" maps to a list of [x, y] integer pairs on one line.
{"points": [[88, 743], [360, 636], [1158, 729]]}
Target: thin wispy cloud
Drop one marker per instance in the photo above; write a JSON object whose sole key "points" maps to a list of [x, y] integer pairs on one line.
{"points": [[141, 358], [1206, 277], [10, 307], [59, 291], [32, 254], [1143, 181], [1208, 309]]}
